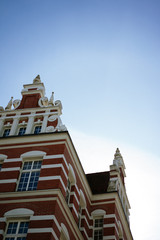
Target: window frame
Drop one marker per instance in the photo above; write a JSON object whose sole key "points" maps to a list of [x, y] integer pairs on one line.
{"points": [[98, 228], [36, 126], [30, 171], [6, 128], [21, 127], [16, 235]]}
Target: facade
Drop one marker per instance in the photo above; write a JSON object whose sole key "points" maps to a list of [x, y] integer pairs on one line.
{"points": [[44, 191]]}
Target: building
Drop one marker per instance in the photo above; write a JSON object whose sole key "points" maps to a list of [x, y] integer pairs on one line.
{"points": [[44, 191]]}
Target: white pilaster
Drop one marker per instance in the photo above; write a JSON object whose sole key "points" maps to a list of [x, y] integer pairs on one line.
{"points": [[14, 126], [44, 124], [30, 125], [1, 126]]}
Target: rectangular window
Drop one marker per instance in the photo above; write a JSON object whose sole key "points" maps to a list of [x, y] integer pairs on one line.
{"points": [[37, 129], [22, 131], [17, 230], [98, 229], [6, 132], [29, 176]]}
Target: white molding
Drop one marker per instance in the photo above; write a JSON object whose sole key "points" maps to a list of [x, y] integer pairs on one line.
{"points": [[98, 212], [3, 157], [13, 160], [59, 165], [1, 232], [19, 212], [109, 237], [43, 230], [10, 169], [65, 231], [72, 205], [8, 181], [31, 154], [2, 219], [52, 178]]}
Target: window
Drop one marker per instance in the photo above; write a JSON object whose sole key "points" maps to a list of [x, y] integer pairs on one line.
{"points": [[16, 230], [22, 131], [6, 132], [68, 191], [98, 228], [37, 129], [29, 176]]}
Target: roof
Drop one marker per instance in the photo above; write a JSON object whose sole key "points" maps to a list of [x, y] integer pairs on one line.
{"points": [[98, 182]]}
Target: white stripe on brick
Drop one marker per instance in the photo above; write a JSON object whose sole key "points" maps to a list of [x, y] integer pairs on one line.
{"points": [[8, 181], [13, 160], [43, 230], [52, 178], [2, 219], [55, 166], [109, 238], [1, 232], [10, 169]]}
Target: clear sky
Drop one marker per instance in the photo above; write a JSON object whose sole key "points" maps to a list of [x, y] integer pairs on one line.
{"points": [[102, 60]]}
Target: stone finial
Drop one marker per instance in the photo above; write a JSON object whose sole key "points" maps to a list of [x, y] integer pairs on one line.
{"points": [[37, 79], [9, 105], [51, 101], [118, 159], [117, 154]]}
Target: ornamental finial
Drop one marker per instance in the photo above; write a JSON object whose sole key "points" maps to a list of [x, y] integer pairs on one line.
{"points": [[117, 154], [9, 105], [37, 79]]}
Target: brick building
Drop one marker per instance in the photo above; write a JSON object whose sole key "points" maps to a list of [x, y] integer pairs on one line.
{"points": [[44, 191]]}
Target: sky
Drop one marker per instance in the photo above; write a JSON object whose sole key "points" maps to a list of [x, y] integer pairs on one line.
{"points": [[102, 60]]}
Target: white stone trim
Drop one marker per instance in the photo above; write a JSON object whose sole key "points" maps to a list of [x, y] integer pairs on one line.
{"points": [[3, 157], [13, 160], [52, 178], [1, 232], [32, 154], [8, 181], [72, 205], [57, 156], [55, 166], [19, 212], [10, 169], [98, 212], [2, 219], [43, 230], [109, 237]]}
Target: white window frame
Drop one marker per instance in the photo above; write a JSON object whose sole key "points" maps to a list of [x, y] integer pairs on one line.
{"points": [[98, 228], [31, 156], [16, 235], [17, 215], [35, 128], [19, 130], [30, 171], [4, 129]]}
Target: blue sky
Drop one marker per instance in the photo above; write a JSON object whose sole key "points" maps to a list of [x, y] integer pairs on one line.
{"points": [[102, 60]]}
